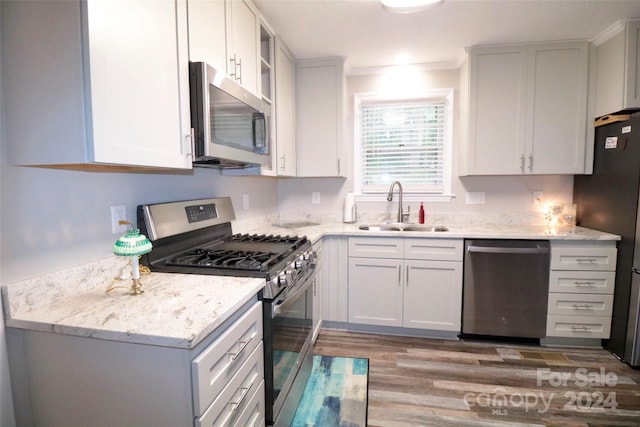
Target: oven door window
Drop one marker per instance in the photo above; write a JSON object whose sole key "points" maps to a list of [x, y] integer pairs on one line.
{"points": [[291, 329]]}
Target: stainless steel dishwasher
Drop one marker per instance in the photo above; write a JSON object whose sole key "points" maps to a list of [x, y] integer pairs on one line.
{"points": [[506, 286]]}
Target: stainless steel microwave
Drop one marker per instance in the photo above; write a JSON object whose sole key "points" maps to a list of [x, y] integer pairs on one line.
{"points": [[230, 123]]}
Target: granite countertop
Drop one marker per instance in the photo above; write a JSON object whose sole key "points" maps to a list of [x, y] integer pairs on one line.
{"points": [[180, 310], [175, 310], [478, 231]]}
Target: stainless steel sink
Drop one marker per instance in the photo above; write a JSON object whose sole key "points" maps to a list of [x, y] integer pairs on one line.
{"points": [[295, 224], [380, 227], [403, 227], [426, 228]]}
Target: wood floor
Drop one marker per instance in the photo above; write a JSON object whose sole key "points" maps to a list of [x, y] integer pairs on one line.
{"points": [[429, 382]]}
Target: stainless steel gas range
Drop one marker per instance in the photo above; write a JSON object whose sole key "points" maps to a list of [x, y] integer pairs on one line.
{"points": [[195, 236]]}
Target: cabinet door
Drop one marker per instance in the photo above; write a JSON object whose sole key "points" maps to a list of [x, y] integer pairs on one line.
{"points": [[335, 270], [375, 291], [207, 33], [139, 108], [632, 66], [285, 111], [242, 44], [318, 285], [556, 131], [433, 295], [497, 109], [319, 118], [527, 109]]}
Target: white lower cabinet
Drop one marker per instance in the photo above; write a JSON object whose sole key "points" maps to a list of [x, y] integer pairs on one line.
{"points": [[228, 372], [65, 380], [335, 276], [375, 291], [405, 282], [581, 285], [433, 295]]}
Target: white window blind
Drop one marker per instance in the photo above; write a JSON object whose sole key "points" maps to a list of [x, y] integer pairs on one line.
{"points": [[405, 141]]}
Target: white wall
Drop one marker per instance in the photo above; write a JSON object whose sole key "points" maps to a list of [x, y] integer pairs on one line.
{"points": [[510, 194], [52, 219]]}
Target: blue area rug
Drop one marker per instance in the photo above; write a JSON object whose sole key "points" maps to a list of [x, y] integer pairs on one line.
{"points": [[335, 395]]}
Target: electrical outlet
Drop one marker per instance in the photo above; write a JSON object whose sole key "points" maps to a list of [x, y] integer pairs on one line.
{"points": [[475, 198], [245, 202], [538, 196], [315, 198], [118, 213]]}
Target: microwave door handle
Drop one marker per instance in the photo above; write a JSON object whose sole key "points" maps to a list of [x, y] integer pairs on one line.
{"points": [[257, 118]]}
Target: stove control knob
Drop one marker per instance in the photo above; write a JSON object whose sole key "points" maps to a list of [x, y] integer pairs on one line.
{"points": [[301, 262], [282, 279]]}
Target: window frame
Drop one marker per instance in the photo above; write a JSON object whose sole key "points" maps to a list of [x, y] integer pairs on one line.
{"points": [[434, 95]]}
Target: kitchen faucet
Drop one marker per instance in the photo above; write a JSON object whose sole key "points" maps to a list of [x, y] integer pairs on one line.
{"points": [[401, 216]]}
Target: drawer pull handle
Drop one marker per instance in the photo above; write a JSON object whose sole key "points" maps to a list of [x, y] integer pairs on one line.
{"points": [[582, 306], [244, 345], [587, 283], [586, 260], [236, 405], [580, 329]]}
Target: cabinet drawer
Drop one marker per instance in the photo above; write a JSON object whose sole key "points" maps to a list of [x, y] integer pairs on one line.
{"points": [[580, 304], [583, 258], [434, 249], [236, 395], [215, 366], [578, 326], [376, 247], [583, 282], [253, 415]]}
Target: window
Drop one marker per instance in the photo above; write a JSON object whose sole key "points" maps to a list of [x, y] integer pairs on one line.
{"points": [[408, 140]]}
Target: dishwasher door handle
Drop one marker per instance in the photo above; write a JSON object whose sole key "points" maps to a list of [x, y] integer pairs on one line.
{"points": [[506, 250]]}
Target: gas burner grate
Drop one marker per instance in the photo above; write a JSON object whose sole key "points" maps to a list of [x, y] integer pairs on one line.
{"points": [[223, 258], [266, 238]]}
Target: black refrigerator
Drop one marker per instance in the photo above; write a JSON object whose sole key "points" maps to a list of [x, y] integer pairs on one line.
{"points": [[608, 201]]}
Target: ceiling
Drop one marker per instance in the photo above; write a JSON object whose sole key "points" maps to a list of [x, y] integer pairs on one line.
{"points": [[368, 36]]}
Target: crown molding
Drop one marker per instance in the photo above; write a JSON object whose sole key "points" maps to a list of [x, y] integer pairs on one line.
{"points": [[608, 33]]}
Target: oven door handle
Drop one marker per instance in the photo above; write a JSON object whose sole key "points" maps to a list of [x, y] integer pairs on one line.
{"points": [[276, 307]]}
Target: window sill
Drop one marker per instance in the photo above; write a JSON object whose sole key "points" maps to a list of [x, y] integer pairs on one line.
{"points": [[382, 197]]}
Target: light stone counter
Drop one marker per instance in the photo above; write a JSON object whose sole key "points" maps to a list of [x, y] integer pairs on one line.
{"points": [[180, 310], [464, 231], [175, 310]]}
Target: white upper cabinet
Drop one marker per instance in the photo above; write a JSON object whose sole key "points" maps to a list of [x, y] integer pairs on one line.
{"points": [[226, 34], [320, 97], [243, 39], [527, 109], [208, 33], [618, 70], [97, 83], [285, 105]]}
